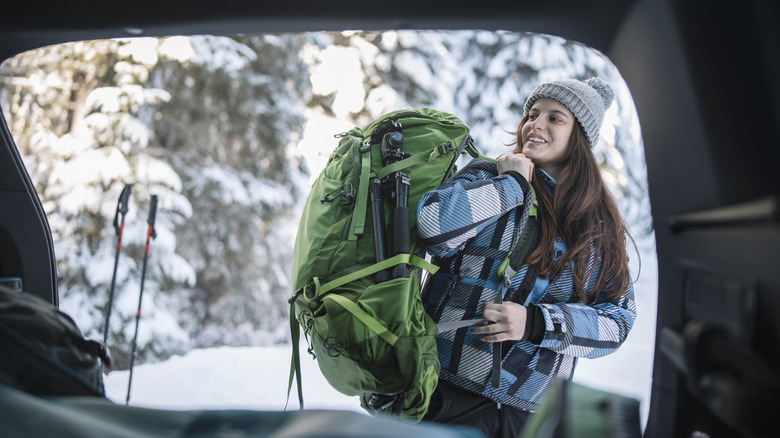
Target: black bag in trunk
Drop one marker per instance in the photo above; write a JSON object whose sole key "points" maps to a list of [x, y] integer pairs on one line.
{"points": [[44, 352]]}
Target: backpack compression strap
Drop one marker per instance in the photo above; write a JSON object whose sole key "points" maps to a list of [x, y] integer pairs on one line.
{"points": [[373, 269], [362, 161]]}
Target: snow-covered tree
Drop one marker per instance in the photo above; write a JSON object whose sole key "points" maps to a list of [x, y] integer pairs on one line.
{"points": [[238, 111], [75, 111], [228, 132]]}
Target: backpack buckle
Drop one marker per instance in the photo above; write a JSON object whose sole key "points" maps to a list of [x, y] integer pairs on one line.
{"points": [[445, 148], [295, 297], [349, 196]]}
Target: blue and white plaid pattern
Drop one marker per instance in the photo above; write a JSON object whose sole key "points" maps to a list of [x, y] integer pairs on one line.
{"points": [[469, 226]]}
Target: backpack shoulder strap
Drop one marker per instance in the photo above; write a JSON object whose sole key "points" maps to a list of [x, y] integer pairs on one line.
{"points": [[526, 241]]}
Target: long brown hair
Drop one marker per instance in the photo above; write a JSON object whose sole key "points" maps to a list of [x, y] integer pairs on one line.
{"points": [[585, 215]]}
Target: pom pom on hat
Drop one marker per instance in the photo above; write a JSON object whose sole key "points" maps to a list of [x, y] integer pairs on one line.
{"points": [[604, 90], [588, 100]]}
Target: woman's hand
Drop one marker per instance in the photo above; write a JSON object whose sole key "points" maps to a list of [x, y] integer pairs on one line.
{"points": [[517, 162], [503, 322]]}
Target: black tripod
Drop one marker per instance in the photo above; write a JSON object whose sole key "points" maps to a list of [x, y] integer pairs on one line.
{"points": [[397, 185]]}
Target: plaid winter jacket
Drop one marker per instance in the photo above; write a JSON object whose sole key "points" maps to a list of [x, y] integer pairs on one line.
{"points": [[469, 226]]}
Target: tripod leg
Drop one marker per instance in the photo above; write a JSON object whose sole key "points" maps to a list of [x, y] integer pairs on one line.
{"points": [[378, 217], [401, 228]]}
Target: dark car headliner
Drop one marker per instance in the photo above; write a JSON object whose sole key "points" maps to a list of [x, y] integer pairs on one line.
{"points": [[594, 23]]}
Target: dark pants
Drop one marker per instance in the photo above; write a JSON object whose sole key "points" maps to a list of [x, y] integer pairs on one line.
{"points": [[451, 404]]}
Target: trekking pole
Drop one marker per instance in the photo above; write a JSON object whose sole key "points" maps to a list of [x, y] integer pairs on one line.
{"points": [[119, 225], [150, 234]]}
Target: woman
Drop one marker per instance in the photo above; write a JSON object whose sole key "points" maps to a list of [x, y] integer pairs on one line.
{"points": [[578, 300]]}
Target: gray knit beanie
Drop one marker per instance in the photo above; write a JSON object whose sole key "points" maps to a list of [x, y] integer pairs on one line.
{"points": [[588, 100]]}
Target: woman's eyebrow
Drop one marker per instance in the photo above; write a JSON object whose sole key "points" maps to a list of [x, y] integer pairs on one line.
{"points": [[559, 112]]}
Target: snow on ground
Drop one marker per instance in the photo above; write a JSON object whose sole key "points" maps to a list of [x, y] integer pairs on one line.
{"points": [[226, 378], [256, 378]]}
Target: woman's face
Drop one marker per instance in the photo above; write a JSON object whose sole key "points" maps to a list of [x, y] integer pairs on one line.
{"points": [[545, 136]]}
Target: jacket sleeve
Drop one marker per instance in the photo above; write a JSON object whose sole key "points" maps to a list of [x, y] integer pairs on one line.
{"points": [[588, 330], [456, 211]]}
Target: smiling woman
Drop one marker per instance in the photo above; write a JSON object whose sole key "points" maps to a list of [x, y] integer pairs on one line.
{"points": [[227, 130], [569, 295]]}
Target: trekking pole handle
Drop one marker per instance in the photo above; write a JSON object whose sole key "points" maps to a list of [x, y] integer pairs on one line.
{"points": [[152, 216], [121, 207]]}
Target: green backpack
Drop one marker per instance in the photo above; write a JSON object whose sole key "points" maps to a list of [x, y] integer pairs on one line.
{"points": [[357, 263]]}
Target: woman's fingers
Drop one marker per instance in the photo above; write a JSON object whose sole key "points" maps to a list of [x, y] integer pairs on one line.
{"points": [[516, 162], [503, 322]]}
